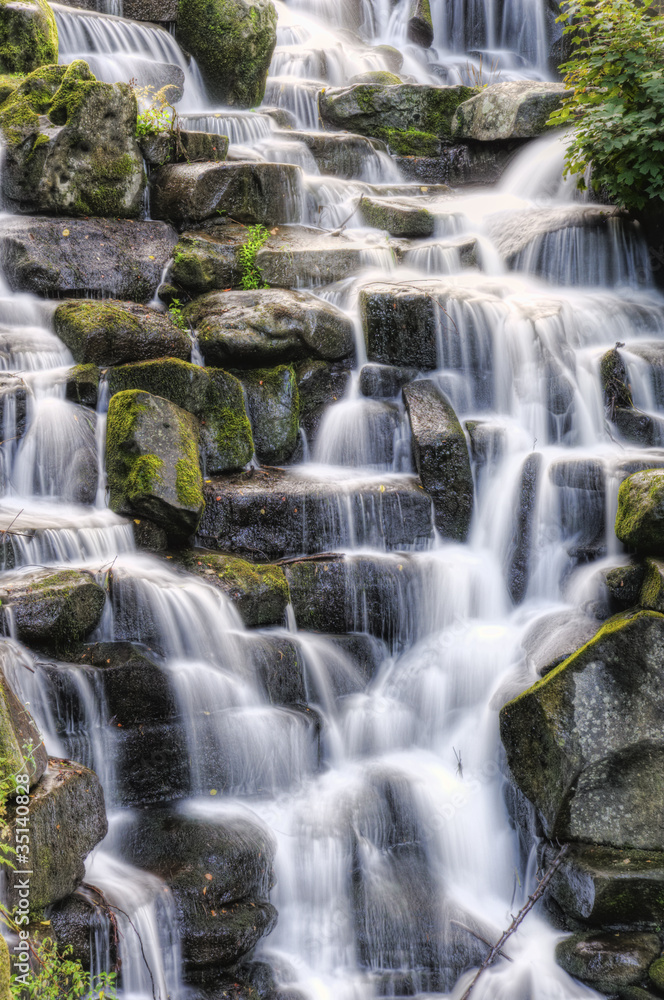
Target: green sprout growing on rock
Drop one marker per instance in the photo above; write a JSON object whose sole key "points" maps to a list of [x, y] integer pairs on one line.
{"points": [[252, 278]]}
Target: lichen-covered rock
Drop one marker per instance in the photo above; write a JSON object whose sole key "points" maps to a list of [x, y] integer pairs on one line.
{"points": [[113, 332], [585, 743], [640, 516], [515, 110], [266, 193], [190, 147], [67, 819], [420, 25], [211, 394], [608, 962], [398, 218], [605, 887], [441, 457], [71, 146], [51, 609], [28, 35], [375, 110], [652, 589], [613, 376], [21, 745], [274, 410], [232, 42], [338, 154], [152, 461], [99, 257], [268, 327], [259, 592]]}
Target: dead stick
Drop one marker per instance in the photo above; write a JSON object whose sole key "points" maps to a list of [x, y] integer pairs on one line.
{"points": [[523, 912], [465, 927]]}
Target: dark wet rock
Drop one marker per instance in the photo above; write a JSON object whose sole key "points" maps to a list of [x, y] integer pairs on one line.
{"points": [[59, 257], [518, 555], [265, 327], [605, 887], [267, 516], [28, 36], [640, 517], [515, 110], [613, 375], [82, 385], [211, 394], [18, 732], [127, 678], [397, 218], [113, 332], [582, 504], [608, 962], [223, 939], [190, 147], [378, 110], [266, 193], [640, 428], [149, 536], [652, 355], [277, 661], [555, 637], [273, 405], [624, 585], [14, 394], [420, 25], [585, 744], [152, 461], [401, 324], [150, 763], [487, 441], [367, 652], [260, 593], [232, 43], [49, 608], [282, 116], [67, 819], [384, 381], [441, 457], [74, 921], [459, 165], [70, 146], [319, 384], [340, 155]]}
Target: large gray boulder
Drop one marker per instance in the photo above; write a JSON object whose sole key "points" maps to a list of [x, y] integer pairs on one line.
{"points": [[268, 327], [232, 42], [266, 193], [211, 394], [441, 457], [114, 333], [51, 609], [398, 217], [640, 516], [502, 111], [608, 962], [67, 819], [585, 743], [152, 461], [107, 257], [71, 146]]}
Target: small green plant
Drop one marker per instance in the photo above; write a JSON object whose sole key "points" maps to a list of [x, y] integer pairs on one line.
{"points": [[175, 312], [153, 121], [252, 278], [616, 109], [178, 257], [57, 975]]}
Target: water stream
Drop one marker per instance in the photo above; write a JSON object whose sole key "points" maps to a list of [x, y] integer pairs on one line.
{"points": [[389, 809]]}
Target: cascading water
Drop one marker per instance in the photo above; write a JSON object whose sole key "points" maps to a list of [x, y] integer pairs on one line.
{"points": [[385, 797]]}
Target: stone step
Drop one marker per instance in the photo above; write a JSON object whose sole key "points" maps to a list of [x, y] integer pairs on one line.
{"points": [[267, 515], [339, 154]]}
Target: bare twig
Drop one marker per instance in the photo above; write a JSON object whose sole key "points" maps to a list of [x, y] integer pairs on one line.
{"points": [[518, 919], [112, 906], [465, 927]]}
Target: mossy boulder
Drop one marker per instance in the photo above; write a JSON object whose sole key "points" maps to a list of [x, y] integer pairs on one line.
{"points": [[377, 76], [399, 219], [441, 457], [67, 819], [640, 516], [274, 410], [420, 25], [374, 109], [211, 394], [232, 42], [515, 110], [82, 385], [268, 327], [51, 609], [152, 461], [21, 744], [608, 962], [113, 333], [28, 35], [259, 592], [656, 974], [71, 145], [585, 743]]}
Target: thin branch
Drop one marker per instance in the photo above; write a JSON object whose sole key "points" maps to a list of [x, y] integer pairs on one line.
{"points": [[465, 927], [112, 906], [518, 919]]}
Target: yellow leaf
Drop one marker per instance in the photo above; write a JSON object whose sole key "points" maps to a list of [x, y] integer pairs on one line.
{"points": [[65, 232]]}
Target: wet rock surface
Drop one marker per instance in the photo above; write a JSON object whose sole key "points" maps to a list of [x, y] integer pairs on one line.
{"points": [[608, 961], [259, 592], [114, 332], [52, 608], [518, 110]]}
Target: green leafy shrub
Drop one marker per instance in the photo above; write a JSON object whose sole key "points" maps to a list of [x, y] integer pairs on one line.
{"points": [[58, 976], [616, 110], [252, 278]]}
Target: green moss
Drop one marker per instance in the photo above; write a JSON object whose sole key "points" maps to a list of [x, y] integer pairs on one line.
{"points": [[410, 142], [656, 974], [28, 36], [143, 475], [188, 478], [640, 514], [380, 76]]}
